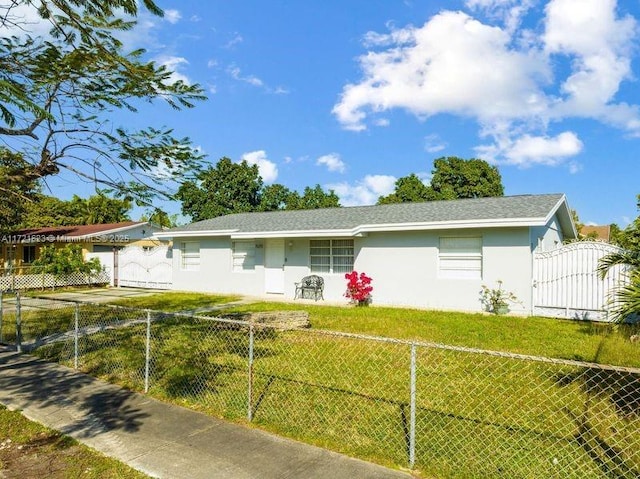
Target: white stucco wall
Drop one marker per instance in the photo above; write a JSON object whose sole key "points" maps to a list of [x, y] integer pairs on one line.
{"points": [[547, 238], [403, 265]]}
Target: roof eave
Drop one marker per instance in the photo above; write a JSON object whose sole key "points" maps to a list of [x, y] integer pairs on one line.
{"points": [[565, 219], [360, 230], [108, 232]]}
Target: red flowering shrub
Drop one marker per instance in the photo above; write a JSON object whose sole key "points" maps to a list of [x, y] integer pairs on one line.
{"points": [[358, 288]]}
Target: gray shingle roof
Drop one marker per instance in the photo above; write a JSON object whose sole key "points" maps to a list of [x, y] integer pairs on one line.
{"points": [[533, 207]]}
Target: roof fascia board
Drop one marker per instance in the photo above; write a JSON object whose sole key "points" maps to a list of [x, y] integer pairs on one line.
{"points": [[440, 225], [192, 234], [566, 211], [363, 230], [108, 232]]}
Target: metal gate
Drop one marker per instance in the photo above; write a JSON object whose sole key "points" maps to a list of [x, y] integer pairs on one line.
{"points": [[145, 267], [566, 283]]}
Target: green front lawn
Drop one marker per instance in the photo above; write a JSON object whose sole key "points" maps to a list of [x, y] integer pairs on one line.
{"points": [[477, 415], [555, 338]]}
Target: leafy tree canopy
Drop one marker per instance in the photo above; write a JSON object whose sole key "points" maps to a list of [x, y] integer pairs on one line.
{"points": [[160, 218], [452, 178], [313, 198], [230, 187], [629, 238], [97, 209], [226, 188], [66, 260], [14, 195], [408, 189], [57, 95]]}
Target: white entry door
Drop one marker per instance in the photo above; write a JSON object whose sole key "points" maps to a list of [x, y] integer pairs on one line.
{"points": [[274, 266]]}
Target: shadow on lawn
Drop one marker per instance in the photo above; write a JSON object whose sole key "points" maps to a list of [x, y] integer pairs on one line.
{"points": [[620, 389], [403, 412], [104, 407]]}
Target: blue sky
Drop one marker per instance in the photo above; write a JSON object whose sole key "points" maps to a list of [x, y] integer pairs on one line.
{"points": [[354, 94]]}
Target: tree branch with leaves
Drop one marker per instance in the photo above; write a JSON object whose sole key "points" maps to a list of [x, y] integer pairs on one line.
{"points": [[58, 94]]}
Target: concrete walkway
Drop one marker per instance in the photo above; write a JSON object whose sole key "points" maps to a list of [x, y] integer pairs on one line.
{"points": [[160, 439]]}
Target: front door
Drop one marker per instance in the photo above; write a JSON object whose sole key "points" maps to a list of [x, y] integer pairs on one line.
{"points": [[274, 266]]}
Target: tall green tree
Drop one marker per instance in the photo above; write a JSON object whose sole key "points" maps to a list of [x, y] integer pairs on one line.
{"points": [[15, 196], [97, 209], [455, 177], [277, 197], [222, 189], [452, 178], [57, 96], [161, 218], [313, 198], [408, 189]]}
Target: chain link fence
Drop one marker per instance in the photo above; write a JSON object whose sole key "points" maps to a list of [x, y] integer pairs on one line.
{"points": [[446, 412]]}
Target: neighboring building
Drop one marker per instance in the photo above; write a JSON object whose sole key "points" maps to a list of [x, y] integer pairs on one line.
{"points": [[20, 248], [432, 254], [597, 232]]}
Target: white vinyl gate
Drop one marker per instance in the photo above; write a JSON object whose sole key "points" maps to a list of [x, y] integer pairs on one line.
{"points": [[145, 268], [566, 283]]}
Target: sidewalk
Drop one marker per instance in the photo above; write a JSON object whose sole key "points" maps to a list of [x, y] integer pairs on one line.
{"points": [[160, 439]]}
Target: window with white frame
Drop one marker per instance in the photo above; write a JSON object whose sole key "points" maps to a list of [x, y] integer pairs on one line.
{"points": [[244, 255], [460, 257], [190, 255], [331, 255]]}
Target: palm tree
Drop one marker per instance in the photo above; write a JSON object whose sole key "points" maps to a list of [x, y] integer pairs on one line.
{"points": [[627, 298], [625, 257]]}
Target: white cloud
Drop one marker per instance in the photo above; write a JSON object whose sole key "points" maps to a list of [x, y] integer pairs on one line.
{"points": [[514, 82], [452, 64], [433, 144], [365, 191], [527, 150], [268, 169], [172, 16], [20, 20], [599, 44], [332, 161], [175, 64], [237, 38], [510, 12], [236, 74]]}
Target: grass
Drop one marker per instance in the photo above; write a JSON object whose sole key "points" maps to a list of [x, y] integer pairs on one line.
{"points": [[28, 449], [177, 301], [538, 336], [477, 415]]}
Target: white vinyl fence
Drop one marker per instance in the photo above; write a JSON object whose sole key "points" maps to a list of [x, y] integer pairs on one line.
{"points": [[566, 283], [145, 267]]}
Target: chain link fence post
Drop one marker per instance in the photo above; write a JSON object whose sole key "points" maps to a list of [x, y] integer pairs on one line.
{"points": [[412, 413], [250, 385], [76, 321], [18, 323], [147, 355]]}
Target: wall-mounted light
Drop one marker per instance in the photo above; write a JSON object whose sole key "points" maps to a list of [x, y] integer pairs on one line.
{"points": [[290, 244]]}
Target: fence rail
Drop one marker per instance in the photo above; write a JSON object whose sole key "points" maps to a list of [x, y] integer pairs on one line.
{"points": [[25, 278], [446, 411]]}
